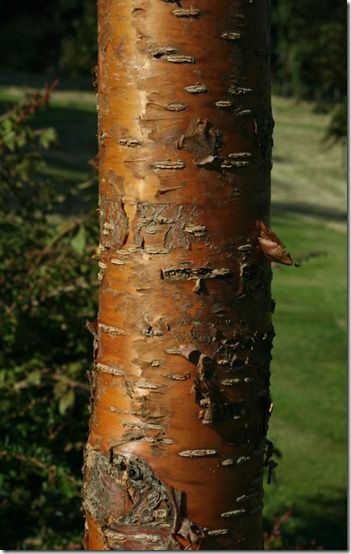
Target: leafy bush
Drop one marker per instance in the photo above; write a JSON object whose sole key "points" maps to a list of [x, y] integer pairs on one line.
{"points": [[48, 291]]}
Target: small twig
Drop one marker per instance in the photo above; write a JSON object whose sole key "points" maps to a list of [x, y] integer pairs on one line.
{"points": [[21, 458], [55, 377], [71, 382], [37, 463]]}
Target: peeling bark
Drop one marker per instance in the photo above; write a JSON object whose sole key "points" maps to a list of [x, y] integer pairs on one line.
{"points": [[182, 343]]}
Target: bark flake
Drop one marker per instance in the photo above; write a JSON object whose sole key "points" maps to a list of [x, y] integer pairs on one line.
{"points": [[231, 35], [233, 513], [236, 90], [198, 453], [179, 274], [187, 12], [198, 88], [113, 222], [201, 139], [174, 58], [176, 107], [168, 164]]}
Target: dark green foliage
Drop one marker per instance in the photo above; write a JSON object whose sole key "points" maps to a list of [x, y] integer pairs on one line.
{"points": [[51, 37], [48, 292], [309, 48], [309, 39], [79, 50]]}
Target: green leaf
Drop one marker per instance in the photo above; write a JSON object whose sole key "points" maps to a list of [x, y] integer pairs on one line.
{"points": [[9, 140], [34, 378], [7, 125], [47, 136], [79, 240], [66, 401]]}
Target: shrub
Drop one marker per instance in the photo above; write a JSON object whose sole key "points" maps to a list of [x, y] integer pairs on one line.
{"points": [[48, 291]]}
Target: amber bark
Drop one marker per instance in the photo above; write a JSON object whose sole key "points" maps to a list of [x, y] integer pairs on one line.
{"points": [[180, 385]]}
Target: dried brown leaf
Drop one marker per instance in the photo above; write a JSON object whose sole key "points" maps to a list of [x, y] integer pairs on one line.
{"points": [[271, 245]]}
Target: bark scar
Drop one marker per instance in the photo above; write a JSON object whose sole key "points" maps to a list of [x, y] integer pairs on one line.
{"points": [[133, 505]]}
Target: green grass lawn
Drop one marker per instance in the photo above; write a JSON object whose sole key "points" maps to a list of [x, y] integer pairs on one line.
{"points": [[309, 178], [309, 385], [309, 368]]}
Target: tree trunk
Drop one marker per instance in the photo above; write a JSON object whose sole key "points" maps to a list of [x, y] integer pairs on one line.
{"points": [[180, 386]]}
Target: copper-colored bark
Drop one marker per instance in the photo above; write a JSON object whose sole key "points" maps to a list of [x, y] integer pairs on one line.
{"points": [[180, 386]]}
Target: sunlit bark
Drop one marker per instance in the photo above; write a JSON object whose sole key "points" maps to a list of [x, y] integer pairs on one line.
{"points": [[180, 386]]}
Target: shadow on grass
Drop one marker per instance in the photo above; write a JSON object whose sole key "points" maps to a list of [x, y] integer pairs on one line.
{"points": [[310, 210], [76, 130], [319, 523]]}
